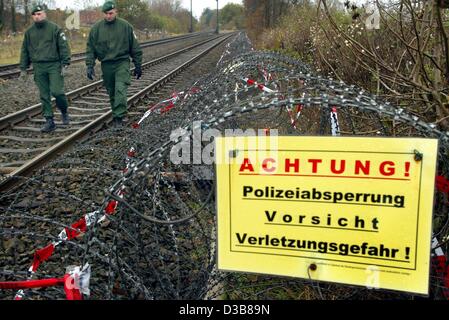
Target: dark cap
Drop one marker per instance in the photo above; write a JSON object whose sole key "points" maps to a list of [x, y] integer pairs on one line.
{"points": [[38, 7], [108, 5]]}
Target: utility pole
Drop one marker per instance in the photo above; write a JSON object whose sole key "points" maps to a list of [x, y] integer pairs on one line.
{"points": [[13, 17], [2, 10], [217, 31], [191, 17], [27, 14]]}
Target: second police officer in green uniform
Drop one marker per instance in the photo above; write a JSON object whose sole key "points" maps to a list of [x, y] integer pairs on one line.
{"points": [[112, 41], [45, 46]]}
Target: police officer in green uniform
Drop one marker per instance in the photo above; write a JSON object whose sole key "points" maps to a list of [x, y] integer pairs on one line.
{"points": [[45, 46], [112, 41]]}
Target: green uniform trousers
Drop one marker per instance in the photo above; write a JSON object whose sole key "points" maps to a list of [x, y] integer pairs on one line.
{"points": [[116, 79], [47, 76]]}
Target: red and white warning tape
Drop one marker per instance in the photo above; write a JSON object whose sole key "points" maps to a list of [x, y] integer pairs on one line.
{"points": [[166, 105], [81, 226], [227, 51], [262, 87], [75, 281], [266, 75], [439, 259], [335, 126], [299, 108], [294, 114], [291, 115], [76, 229], [442, 185], [440, 265]]}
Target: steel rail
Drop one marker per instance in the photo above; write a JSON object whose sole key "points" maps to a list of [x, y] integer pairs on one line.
{"points": [[14, 118], [10, 70], [14, 178]]}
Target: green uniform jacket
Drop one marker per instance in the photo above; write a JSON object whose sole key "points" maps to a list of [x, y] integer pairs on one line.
{"points": [[46, 43], [112, 41]]}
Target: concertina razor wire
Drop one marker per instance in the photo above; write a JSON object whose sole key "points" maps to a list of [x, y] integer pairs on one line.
{"points": [[145, 227]]}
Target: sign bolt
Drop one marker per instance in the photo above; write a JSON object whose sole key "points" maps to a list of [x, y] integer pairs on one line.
{"points": [[418, 155]]}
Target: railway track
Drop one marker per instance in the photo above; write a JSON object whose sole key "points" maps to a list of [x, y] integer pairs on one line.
{"points": [[134, 258], [12, 70], [23, 148]]}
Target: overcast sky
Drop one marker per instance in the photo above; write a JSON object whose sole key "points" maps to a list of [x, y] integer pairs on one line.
{"points": [[198, 5]]}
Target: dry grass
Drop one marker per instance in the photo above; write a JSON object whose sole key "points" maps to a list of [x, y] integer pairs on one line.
{"points": [[10, 51], [11, 45]]}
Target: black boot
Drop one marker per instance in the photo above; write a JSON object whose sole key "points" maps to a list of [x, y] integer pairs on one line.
{"points": [[118, 122], [49, 125], [65, 118]]}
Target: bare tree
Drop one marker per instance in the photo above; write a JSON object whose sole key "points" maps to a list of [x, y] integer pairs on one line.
{"points": [[26, 11], [2, 12], [13, 16], [165, 7], [85, 4], [408, 56]]}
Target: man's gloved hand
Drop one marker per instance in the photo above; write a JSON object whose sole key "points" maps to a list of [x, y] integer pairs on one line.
{"points": [[64, 70], [23, 75], [138, 72], [90, 73]]}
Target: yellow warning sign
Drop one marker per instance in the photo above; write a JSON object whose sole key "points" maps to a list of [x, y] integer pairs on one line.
{"points": [[346, 210]]}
